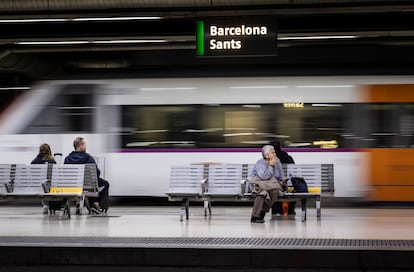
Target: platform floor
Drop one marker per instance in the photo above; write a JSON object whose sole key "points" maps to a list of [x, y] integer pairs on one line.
{"points": [[336, 223], [141, 238]]}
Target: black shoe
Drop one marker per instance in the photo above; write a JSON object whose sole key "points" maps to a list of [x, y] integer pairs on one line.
{"points": [[78, 212], [96, 210], [262, 215], [256, 220]]}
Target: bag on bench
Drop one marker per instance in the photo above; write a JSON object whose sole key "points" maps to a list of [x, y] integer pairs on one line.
{"points": [[299, 185]]}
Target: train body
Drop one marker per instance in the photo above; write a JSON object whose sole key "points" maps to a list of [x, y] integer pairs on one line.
{"points": [[139, 128]]}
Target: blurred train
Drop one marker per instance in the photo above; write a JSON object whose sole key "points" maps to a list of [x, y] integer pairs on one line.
{"points": [[139, 128]]}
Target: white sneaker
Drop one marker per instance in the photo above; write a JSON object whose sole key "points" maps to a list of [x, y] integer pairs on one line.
{"points": [[45, 210]]}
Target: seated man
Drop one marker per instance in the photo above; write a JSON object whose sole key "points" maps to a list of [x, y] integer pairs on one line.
{"points": [[266, 176], [80, 156]]}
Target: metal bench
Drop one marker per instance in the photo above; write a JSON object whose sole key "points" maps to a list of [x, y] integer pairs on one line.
{"points": [[318, 177], [224, 183], [67, 182], [228, 182], [74, 182], [186, 184], [27, 180]]}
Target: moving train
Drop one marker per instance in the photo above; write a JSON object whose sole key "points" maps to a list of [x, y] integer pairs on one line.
{"points": [[139, 128]]}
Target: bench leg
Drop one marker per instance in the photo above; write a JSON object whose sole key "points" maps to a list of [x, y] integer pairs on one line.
{"points": [[81, 203], [187, 205], [86, 204], [303, 202], [66, 208], [184, 209], [207, 208], [318, 208]]}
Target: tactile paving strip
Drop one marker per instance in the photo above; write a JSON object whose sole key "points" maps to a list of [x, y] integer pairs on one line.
{"points": [[210, 242]]}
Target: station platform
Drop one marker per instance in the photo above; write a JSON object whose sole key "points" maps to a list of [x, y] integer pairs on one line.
{"points": [[154, 239]]}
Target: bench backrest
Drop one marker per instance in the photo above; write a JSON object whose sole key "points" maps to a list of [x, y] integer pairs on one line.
{"points": [[28, 179], [186, 179], [225, 178], [327, 176], [5, 172], [316, 175], [67, 178], [90, 179], [310, 172]]}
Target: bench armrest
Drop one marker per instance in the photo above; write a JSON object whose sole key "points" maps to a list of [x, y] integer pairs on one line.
{"points": [[204, 185], [243, 184], [8, 185], [46, 184]]}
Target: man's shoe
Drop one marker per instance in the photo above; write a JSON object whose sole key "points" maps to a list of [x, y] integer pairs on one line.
{"points": [[256, 220], [96, 210], [78, 211], [262, 215]]}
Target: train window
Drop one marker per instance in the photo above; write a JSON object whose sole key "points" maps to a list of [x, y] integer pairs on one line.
{"points": [[358, 125], [391, 124], [71, 109], [313, 125], [160, 126], [231, 125], [379, 125]]}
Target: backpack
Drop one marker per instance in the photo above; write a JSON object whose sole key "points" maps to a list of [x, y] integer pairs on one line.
{"points": [[299, 185]]}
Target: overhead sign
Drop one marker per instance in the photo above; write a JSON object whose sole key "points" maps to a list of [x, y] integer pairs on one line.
{"points": [[236, 36]]}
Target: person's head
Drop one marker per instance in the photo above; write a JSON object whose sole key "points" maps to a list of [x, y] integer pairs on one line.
{"points": [[267, 150], [276, 145], [79, 144], [45, 151]]}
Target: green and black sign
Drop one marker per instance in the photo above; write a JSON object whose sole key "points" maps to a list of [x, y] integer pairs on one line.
{"points": [[236, 36]]}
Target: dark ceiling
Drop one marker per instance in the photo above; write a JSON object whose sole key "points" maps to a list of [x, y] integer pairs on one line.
{"points": [[383, 40]]}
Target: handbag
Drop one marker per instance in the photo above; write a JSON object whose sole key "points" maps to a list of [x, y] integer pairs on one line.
{"points": [[299, 185]]}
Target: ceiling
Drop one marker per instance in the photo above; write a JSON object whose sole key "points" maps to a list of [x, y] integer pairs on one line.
{"points": [[52, 39]]}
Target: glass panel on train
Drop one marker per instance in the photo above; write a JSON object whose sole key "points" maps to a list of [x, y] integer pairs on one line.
{"points": [[69, 108], [232, 125]]}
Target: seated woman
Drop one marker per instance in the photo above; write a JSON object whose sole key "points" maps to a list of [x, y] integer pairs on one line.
{"points": [[45, 156]]}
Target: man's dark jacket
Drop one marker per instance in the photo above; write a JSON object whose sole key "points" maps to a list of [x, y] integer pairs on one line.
{"points": [[79, 157]]}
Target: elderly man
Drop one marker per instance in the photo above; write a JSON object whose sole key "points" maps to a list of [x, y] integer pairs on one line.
{"points": [[266, 176]]}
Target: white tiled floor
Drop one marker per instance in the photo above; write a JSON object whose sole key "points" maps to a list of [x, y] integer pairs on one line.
{"points": [[336, 223]]}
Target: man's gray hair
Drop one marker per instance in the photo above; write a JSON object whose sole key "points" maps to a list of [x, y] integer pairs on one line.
{"points": [[77, 142], [266, 150]]}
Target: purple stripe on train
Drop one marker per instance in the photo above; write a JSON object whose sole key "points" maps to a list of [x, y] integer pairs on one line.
{"points": [[227, 150]]}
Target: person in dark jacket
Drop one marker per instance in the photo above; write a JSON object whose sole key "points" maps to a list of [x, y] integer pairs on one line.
{"points": [[284, 157], [45, 156], [80, 156]]}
